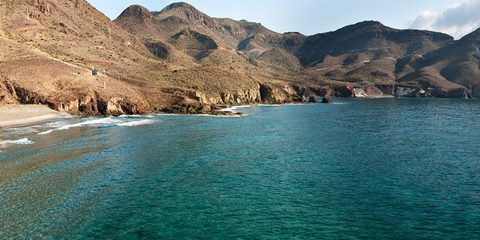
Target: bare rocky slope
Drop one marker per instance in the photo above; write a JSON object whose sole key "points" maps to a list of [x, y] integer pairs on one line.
{"points": [[181, 60]]}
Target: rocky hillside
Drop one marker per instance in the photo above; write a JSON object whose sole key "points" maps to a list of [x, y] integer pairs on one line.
{"points": [[181, 60], [458, 63], [362, 59], [48, 49]]}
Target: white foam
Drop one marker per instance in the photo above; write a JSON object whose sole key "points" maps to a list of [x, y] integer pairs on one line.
{"points": [[229, 116], [95, 122], [135, 123], [230, 109], [166, 114], [244, 106], [23, 141], [23, 130], [234, 108], [46, 132], [130, 116], [125, 121]]}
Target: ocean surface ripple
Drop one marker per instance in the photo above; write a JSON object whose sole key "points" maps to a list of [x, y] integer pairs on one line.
{"points": [[362, 169]]}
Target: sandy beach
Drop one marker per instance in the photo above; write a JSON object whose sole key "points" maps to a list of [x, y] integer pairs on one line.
{"points": [[22, 115]]}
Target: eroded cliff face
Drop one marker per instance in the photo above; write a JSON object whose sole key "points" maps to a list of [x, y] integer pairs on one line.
{"points": [[10, 93], [95, 104], [300, 92], [7, 92], [98, 103], [382, 90], [197, 102], [92, 103], [413, 91], [273, 94]]}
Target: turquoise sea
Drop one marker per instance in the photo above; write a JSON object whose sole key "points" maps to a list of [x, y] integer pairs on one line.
{"points": [[356, 169]]}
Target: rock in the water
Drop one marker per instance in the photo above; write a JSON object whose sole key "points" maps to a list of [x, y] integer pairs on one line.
{"points": [[326, 100]]}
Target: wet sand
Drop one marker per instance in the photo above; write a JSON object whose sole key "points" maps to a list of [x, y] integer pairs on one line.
{"points": [[24, 115]]}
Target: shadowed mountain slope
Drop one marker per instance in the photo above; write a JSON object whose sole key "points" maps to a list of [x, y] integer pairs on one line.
{"points": [[459, 62], [372, 38]]}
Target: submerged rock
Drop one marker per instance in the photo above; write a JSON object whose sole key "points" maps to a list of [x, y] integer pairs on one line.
{"points": [[326, 100]]}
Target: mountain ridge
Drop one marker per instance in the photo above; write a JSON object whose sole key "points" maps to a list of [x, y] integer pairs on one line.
{"points": [[182, 60]]}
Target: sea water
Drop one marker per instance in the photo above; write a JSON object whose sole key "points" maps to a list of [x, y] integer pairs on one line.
{"points": [[356, 169]]}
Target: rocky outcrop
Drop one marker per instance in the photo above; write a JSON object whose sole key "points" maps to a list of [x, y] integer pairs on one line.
{"points": [[139, 12], [312, 99], [326, 100], [81, 104], [95, 104], [412, 91], [7, 92], [188, 108], [13, 94], [407, 91], [240, 97], [300, 91], [273, 94], [159, 49], [459, 92], [372, 91], [344, 91], [386, 89], [196, 102], [367, 91], [43, 6]]}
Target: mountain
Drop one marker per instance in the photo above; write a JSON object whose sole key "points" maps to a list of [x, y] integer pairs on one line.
{"points": [[371, 38], [182, 60], [48, 49], [363, 54], [181, 29], [370, 53], [457, 63]]}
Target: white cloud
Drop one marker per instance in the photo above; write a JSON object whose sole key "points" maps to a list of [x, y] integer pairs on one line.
{"points": [[458, 20], [425, 20]]}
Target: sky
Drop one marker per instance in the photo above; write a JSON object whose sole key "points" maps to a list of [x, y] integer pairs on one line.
{"points": [[454, 17]]}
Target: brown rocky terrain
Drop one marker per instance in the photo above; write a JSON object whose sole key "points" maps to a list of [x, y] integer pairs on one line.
{"points": [[181, 60]]}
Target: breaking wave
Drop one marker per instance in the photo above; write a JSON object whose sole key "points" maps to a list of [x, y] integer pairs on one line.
{"points": [[234, 109], [23, 141], [103, 122], [135, 123]]}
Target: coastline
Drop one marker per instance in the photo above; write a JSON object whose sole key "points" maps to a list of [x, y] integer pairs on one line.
{"points": [[18, 115], [23, 115]]}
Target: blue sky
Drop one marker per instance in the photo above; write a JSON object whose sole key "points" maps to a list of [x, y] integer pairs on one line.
{"points": [[455, 17]]}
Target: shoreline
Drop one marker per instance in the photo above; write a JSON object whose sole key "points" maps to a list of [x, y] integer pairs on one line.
{"points": [[21, 115], [18, 115]]}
